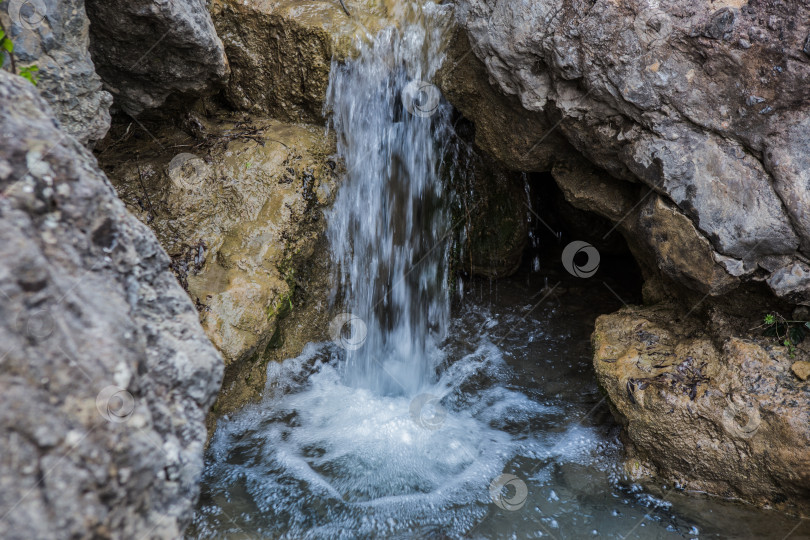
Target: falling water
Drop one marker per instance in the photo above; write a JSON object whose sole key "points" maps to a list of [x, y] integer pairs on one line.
{"points": [[389, 226], [410, 422]]}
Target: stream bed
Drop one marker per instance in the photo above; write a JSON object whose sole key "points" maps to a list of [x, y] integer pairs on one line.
{"points": [[515, 394]]}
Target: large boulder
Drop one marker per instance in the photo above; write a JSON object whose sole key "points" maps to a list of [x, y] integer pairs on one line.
{"points": [[704, 104], [147, 50], [705, 407], [54, 36], [238, 206], [105, 372]]}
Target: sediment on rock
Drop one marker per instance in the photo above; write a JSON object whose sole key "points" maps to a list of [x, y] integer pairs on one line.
{"points": [[238, 205]]}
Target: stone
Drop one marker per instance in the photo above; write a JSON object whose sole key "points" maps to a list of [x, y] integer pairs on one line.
{"points": [[147, 50], [801, 369], [681, 252], [239, 210], [711, 412], [281, 53], [652, 95], [105, 372], [54, 36]]}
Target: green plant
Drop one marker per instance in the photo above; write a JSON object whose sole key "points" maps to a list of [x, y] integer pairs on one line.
{"points": [[789, 333], [27, 72]]}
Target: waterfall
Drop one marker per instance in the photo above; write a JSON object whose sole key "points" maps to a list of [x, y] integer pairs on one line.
{"points": [[389, 228]]}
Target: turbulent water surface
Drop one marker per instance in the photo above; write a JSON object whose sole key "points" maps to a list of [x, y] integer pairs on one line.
{"points": [[414, 422]]}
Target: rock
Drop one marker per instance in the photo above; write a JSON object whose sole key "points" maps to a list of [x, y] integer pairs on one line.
{"points": [[464, 82], [54, 36], [495, 219], [681, 252], [792, 282], [281, 52], [239, 211], [590, 189], [653, 95], [105, 372], [801, 369], [704, 410], [146, 50]]}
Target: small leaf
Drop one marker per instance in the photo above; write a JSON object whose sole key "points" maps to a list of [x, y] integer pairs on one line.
{"points": [[769, 319], [8, 45]]}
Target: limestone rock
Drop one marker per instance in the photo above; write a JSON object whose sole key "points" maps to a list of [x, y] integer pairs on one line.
{"points": [[54, 36], [146, 50], [281, 52], [702, 102], [105, 372], [681, 252], [238, 211], [723, 415]]}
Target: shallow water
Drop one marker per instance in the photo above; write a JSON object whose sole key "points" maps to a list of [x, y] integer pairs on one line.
{"points": [[515, 395]]}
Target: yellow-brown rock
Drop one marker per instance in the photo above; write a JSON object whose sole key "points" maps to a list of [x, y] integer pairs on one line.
{"points": [[238, 208], [724, 416], [281, 51]]}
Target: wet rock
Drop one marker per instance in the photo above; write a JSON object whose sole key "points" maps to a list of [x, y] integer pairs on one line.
{"points": [[105, 372], [239, 211], [705, 409], [492, 216], [54, 37], [146, 50], [281, 52]]}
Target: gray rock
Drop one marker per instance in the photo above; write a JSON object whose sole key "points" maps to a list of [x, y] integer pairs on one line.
{"points": [[54, 36], [664, 96], [146, 50], [105, 372]]}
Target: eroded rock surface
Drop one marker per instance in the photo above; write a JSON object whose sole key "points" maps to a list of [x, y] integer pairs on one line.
{"points": [[54, 36], [89, 303], [702, 103], [704, 408], [239, 209], [281, 52], [147, 50]]}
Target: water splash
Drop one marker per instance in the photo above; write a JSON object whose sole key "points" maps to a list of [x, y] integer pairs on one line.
{"points": [[389, 227]]}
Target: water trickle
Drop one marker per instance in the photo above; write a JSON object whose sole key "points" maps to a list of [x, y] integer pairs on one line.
{"points": [[389, 227]]}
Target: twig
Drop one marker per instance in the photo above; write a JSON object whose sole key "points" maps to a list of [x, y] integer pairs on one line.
{"points": [[140, 179]]}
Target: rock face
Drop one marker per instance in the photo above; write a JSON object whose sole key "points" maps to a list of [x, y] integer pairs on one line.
{"points": [[281, 52], [54, 37], [146, 50], [724, 415], [105, 373], [701, 103], [685, 124], [239, 209]]}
